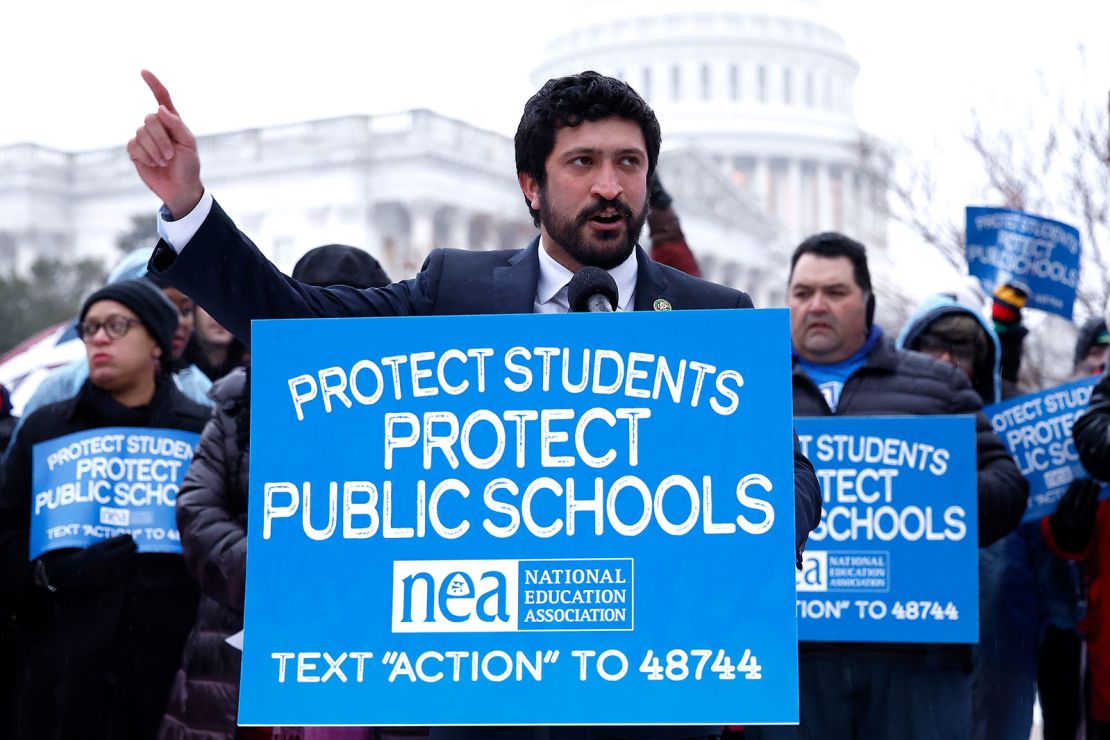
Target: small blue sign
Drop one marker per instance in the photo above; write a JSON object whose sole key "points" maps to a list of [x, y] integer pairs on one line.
{"points": [[1036, 429], [521, 520], [95, 485], [1005, 246], [895, 557]]}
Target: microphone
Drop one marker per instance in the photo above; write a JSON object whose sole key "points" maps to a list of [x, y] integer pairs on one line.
{"points": [[592, 290]]}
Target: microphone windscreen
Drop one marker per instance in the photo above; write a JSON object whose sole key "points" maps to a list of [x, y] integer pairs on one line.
{"points": [[588, 282]]}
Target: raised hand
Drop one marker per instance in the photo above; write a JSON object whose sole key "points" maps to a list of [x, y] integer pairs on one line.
{"points": [[164, 152]]}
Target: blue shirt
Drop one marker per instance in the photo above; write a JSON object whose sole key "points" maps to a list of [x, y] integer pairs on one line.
{"points": [[830, 378]]}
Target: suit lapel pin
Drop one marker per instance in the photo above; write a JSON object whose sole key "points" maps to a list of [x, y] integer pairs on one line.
{"points": [[661, 304]]}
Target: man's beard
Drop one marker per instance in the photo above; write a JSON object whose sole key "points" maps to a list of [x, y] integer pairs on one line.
{"points": [[604, 250]]}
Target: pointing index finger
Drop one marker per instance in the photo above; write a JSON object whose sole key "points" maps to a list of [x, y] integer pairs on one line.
{"points": [[161, 94]]}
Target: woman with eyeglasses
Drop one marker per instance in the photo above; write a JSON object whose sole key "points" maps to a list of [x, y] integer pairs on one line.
{"points": [[100, 628]]}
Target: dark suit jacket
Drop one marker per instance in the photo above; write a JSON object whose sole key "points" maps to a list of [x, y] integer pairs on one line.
{"points": [[223, 271]]}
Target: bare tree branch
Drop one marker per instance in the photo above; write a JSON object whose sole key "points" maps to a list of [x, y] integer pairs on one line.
{"points": [[1053, 161]]}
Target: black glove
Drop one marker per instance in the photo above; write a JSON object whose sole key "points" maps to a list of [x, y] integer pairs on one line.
{"points": [[658, 197], [88, 568], [1074, 519]]}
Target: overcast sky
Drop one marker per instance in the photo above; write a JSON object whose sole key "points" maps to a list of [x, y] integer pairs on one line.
{"points": [[69, 72]]}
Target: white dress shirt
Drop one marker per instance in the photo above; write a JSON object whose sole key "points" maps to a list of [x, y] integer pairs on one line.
{"points": [[551, 288], [178, 233]]}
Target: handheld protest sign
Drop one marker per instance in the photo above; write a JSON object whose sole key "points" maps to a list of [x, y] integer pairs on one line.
{"points": [[97, 484], [522, 519], [895, 558], [1011, 246], [1036, 429]]}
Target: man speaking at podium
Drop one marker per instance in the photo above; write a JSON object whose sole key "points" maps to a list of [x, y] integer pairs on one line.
{"points": [[586, 148]]}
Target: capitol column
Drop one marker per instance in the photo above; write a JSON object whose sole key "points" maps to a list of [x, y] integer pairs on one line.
{"points": [[793, 211], [421, 233], [371, 235], [868, 215], [761, 182], [824, 198], [489, 238], [458, 233], [850, 187]]}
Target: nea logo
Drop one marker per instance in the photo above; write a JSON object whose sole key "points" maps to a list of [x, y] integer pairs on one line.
{"points": [[814, 575], [455, 595]]}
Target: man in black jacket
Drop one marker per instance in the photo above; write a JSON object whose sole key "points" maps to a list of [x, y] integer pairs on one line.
{"points": [[844, 366]]}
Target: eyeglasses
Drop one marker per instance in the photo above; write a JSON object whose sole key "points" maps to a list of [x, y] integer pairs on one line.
{"points": [[935, 346], [114, 326]]}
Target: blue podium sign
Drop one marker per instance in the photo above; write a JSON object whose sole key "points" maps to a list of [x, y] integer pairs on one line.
{"points": [[1039, 253], [895, 558], [94, 485], [1036, 429], [521, 520]]}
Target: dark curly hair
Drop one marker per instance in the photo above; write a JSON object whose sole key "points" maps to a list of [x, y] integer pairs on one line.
{"points": [[568, 101]]}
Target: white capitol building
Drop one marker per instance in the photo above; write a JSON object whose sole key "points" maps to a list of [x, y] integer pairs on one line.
{"points": [[760, 149]]}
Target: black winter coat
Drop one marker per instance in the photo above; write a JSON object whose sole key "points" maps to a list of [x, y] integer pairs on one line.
{"points": [[93, 662], [897, 382], [1092, 432], [212, 518]]}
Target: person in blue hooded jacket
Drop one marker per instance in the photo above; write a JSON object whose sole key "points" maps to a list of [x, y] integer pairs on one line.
{"points": [[1004, 677]]}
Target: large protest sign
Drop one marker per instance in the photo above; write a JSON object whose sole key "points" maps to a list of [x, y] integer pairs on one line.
{"points": [[544, 519], [1036, 429], [93, 485], [895, 558], [1039, 253]]}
